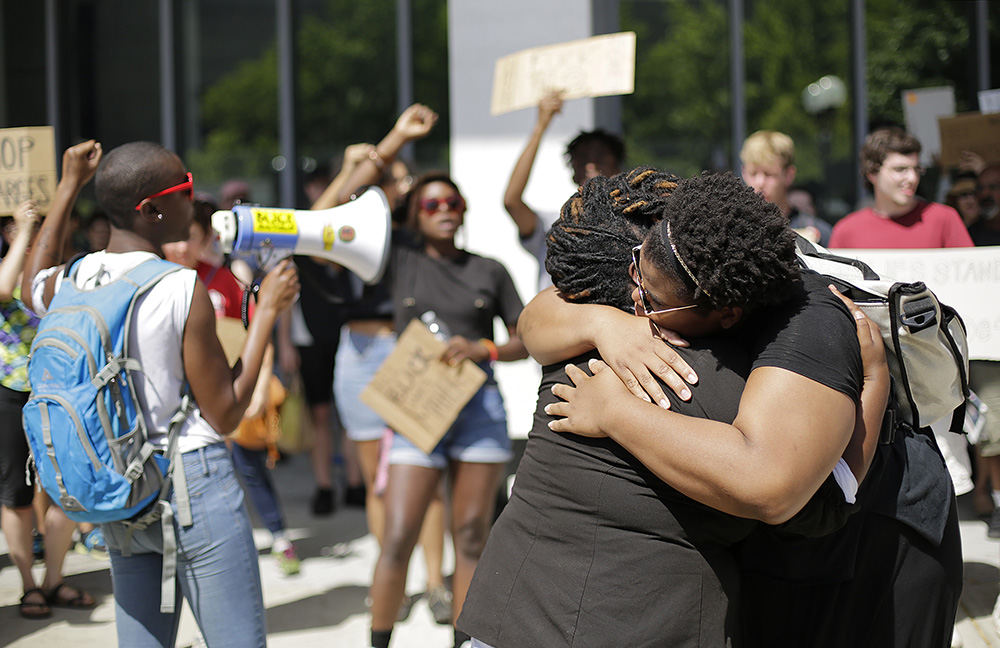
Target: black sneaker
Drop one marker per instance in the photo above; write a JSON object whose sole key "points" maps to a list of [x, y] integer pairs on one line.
{"points": [[354, 496], [994, 530], [322, 502]]}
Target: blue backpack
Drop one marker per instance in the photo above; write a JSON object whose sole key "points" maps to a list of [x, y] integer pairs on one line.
{"points": [[87, 433]]}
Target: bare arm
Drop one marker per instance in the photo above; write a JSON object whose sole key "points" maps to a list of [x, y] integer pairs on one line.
{"points": [[414, 123], [258, 400], [25, 218], [223, 392], [554, 330], [460, 348], [765, 465], [354, 155], [79, 165], [513, 198]]}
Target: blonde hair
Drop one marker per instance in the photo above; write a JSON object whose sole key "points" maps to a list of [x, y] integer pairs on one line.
{"points": [[764, 147]]}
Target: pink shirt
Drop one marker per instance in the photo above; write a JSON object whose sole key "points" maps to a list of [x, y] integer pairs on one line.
{"points": [[928, 225]]}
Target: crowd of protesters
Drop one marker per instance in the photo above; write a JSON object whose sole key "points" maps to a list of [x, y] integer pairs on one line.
{"points": [[657, 502]]}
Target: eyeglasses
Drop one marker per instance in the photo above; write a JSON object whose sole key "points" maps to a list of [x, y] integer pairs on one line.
{"points": [[187, 185], [633, 271], [452, 203]]}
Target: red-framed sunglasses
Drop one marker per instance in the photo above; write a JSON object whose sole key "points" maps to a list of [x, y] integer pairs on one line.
{"points": [[187, 185], [454, 203]]}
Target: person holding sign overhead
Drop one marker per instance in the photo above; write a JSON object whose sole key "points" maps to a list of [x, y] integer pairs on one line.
{"points": [[432, 279], [590, 153]]}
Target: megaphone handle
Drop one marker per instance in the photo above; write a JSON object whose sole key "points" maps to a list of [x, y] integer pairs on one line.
{"points": [[249, 291]]}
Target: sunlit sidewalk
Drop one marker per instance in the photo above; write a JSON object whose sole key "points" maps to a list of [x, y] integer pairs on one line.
{"points": [[325, 604]]}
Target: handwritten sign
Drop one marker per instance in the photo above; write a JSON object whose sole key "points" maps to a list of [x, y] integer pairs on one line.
{"points": [[27, 167], [967, 279], [969, 132], [418, 395], [590, 67]]}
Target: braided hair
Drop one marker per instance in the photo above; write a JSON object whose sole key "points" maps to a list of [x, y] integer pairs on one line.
{"points": [[589, 246], [736, 246]]}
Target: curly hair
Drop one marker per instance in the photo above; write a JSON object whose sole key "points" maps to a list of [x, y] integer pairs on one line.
{"points": [[589, 246], [737, 246]]}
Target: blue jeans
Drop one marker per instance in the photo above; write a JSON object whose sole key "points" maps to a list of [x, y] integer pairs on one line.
{"points": [[217, 569], [252, 468]]}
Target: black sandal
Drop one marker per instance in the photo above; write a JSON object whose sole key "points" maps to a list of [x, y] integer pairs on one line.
{"points": [[34, 609], [81, 601]]}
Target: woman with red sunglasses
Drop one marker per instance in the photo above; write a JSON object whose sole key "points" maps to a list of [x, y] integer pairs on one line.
{"points": [[432, 278]]}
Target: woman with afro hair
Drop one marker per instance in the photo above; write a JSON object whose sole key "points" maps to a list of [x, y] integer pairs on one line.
{"points": [[596, 548], [892, 575]]}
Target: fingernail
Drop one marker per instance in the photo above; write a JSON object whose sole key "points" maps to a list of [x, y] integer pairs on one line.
{"points": [[859, 315], [665, 404], [646, 398], [686, 394], [547, 407], [550, 424], [692, 378]]}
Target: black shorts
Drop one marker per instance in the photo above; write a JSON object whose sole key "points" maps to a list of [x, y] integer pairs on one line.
{"points": [[14, 491], [316, 367]]}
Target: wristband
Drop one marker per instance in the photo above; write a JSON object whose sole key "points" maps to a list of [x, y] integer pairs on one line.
{"points": [[376, 159], [491, 348]]}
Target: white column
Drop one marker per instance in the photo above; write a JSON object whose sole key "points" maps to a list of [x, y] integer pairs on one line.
{"points": [[484, 148]]}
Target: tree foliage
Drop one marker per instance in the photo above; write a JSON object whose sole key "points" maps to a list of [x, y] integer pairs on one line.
{"points": [[679, 116], [345, 92]]}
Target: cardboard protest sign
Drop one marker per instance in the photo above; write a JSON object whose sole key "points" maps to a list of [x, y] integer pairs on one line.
{"points": [[590, 67], [969, 132], [27, 167], [232, 334], [418, 395], [967, 279]]}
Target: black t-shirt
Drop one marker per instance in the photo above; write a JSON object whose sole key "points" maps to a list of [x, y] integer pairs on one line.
{"points": [[594, 550], [465, 292], [592, 542], [812, 335], [325, 292], [984, 234]]}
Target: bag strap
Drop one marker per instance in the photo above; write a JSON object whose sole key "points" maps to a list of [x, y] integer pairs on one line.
{"points": [[807, 248]]}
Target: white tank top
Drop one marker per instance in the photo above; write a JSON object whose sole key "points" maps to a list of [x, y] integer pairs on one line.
{"points": [[155, 340]]}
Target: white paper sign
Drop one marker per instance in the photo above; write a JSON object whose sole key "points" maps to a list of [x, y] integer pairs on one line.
{"points": [[967, 279], [590, 67], [989, 101], [921, 109]]}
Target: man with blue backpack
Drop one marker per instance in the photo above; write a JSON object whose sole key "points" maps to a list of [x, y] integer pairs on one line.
{"points": [[132, 396]]}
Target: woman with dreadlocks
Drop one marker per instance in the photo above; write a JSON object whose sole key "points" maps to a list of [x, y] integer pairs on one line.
{"points": [[593, 548]]}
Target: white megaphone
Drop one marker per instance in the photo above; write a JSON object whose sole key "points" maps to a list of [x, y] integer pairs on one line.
{"points": [[356, 235]]}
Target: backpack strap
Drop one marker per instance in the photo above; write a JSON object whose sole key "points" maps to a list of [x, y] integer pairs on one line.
{"points": [[163, 512]]}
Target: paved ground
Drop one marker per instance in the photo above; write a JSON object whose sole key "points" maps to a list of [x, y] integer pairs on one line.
{"points": [[324, 606]]}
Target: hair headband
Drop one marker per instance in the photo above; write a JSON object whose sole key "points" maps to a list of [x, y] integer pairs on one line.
{"points": [[680, 261]]}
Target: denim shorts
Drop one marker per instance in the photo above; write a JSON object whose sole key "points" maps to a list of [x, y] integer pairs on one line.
{"points": [[217, 566], [478, 435], [358, 358]]}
